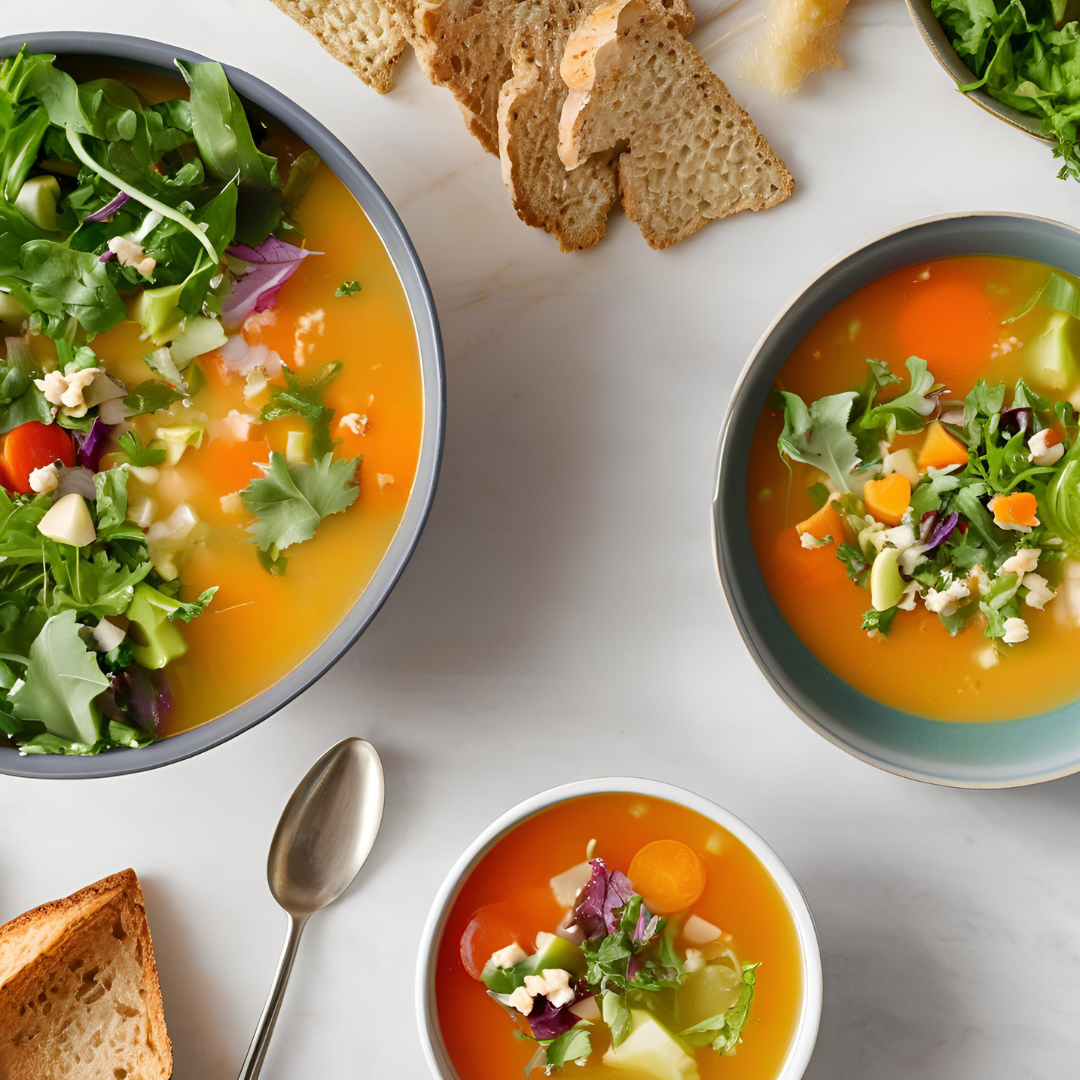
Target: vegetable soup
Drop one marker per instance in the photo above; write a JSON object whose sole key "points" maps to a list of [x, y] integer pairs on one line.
{"points": [[623, 936], [210, 404], [926, 492]]}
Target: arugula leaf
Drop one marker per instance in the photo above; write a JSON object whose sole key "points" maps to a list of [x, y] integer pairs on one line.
{"points": [[908, 413], [854, 561], [928, 492], [1026, 398], [967, 501], [291, 501], [187, 612], [151, 396], [140, 456], [160, 362], [616, 1014], [62, 680], [725, 1030], [347, 288], [819, 435]]}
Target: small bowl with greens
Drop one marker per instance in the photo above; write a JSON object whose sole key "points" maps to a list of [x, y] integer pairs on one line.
{"points": [[1015, 59], [220, 403]]}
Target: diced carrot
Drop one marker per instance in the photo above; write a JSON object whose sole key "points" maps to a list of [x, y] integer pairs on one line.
{"points": [[940, 449], [1016, 509], [826, 522], [668, 875], [31, 446], [491, 928], [888, 498]]}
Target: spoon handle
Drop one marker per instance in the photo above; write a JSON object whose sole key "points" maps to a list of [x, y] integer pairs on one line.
{"points": [[265, 1028]]}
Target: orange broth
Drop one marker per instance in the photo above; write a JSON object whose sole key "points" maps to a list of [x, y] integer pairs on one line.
{"points": [[950, 313], [260, 627], [740, 897]]}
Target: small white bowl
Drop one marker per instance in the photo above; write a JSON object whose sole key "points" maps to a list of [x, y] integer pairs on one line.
{"points": [[806, 1030]]}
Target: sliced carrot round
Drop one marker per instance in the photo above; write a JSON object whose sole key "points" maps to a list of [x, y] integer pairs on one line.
{"points": [[668, 875], [491, 928]]}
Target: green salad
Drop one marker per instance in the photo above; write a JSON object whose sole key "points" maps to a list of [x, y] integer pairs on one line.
{"points": [[1024, 53]]}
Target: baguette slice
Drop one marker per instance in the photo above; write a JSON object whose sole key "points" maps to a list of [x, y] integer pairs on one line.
{"points": [[79, 993], [573, 206], [693, 155], [365, 35]]}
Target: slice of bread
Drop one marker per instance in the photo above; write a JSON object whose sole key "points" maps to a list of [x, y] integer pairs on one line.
{"points": [[79, 993], [464, 46], [365, 35], [693, 155], [573, 206]]}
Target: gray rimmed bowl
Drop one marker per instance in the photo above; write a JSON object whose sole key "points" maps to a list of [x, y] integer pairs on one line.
{"points": [[1003, 753], [152, 55], [937, 41]]}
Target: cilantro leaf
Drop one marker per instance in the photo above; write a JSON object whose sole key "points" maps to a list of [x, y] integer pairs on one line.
{"points": [[881, 621], [928, 492], [296, 399], [854, 561], [347, 288], [291, 501], [62, 679], [151, 396], [140, 456], [819, 435]]}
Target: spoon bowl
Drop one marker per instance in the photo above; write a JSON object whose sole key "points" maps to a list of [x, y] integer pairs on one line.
{"points": [[325, 834]]}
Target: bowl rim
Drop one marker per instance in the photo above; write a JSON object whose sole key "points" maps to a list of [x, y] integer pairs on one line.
{"points": [[941, 48], [725, 572], [395, 239], [808, 1024]]}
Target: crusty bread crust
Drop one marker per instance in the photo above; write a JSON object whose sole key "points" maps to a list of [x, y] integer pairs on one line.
{"points": [[366, 35], [79, 991], [693, 155]]}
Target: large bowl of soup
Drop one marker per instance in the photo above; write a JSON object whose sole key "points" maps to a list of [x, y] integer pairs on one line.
{"points": [[223, 403], [616, 927], [894, 513]]}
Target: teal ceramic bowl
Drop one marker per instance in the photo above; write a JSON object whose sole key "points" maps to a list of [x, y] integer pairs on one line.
{"points": [[1003, 753]]}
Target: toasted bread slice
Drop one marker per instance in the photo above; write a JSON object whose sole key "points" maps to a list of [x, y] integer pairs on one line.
{"points": [[79, 993], [571, 205], [693, 155], [365, 35]]}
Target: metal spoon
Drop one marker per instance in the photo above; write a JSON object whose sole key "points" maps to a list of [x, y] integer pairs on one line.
{"points": [[324, 837]]}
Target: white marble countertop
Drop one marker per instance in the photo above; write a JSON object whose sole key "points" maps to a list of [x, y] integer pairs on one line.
{"points": [[562, 618]]}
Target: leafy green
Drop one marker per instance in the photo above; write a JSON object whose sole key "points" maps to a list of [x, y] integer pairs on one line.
{"points": [[881, 621], [1018, 56], [186, 612], [724, 1031], [854, 561], [819, 436], [140, 456], [297, 399], [820, 495], [347, 288], [290, 501], [908, 413], [1060, 507], [616, 1014], [569, 1046], [150, 396], [928, 492], [62, 679]]}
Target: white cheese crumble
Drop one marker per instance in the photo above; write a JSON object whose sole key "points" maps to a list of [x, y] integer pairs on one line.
{"points": [[128, 253], [1039, 591], [1016, 630], [522, 1000], [384, 479], [47, 478], [909, 596], [66, 391], [356, 422], [1042, 450], [987, 657], [1023, 562], [313, 322], [948, 600], [699, 931], [552, 983], [508, 957], [235, 425]]}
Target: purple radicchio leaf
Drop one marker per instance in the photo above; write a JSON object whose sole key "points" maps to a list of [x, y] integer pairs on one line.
{"points": [[136, 697], [92, 445], [106, 256], [1016, 420], [549, 1022], [633, 966], [645, 930], [589, 908], [619, 892], [270, 265], [942, 531], [109, 208]]}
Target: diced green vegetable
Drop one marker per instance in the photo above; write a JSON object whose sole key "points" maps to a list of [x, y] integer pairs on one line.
{"points": [[557, 953], [37, 199], [653, 1051], [886, 584], [157, 639], [1050, 360]]}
